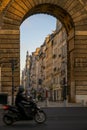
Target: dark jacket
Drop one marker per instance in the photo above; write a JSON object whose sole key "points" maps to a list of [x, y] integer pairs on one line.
{"points": [[19, 98]]}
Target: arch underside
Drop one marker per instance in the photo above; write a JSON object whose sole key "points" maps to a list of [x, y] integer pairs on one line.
{"points": [[72, 14], [55, 11]]}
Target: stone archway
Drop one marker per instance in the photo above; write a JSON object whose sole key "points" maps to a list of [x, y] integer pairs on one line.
{"points": [[73, 15]]}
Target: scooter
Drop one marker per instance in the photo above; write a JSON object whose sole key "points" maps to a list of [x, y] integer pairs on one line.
{"points": [[12, 114]]}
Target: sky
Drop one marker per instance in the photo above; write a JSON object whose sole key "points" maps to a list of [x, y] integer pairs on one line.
{"points": [[33, 32]]}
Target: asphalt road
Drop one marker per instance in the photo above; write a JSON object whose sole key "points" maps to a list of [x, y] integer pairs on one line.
{"points": [[57, 119]]}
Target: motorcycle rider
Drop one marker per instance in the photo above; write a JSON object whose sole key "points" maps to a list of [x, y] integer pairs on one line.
{"points": [[20, 97], [23, 111]]}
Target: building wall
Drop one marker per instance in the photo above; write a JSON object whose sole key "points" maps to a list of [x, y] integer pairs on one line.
{"points": [[59, 59]]}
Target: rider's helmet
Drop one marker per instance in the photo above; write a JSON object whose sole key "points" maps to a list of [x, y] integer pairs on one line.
{"points": [[21, 89]]}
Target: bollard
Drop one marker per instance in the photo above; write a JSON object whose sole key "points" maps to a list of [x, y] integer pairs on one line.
{"points": [[65, 103]]}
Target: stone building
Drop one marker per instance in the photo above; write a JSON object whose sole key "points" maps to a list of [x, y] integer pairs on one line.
{"points": [[26, 72], [56, 63], [71, 13], [59, 61], [48, 65], [23, 78], [34, 69]]}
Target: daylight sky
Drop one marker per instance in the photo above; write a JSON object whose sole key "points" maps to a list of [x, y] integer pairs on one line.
{"points": [[33, 32]]}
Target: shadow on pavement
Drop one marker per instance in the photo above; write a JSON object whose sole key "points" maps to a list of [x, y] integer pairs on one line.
{"points": [[24, 125]]}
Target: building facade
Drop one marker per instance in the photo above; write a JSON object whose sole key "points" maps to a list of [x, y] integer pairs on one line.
{"points": [[47, 69], [25, 81]]}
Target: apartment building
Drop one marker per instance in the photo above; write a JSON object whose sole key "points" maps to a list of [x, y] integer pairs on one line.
{"points": [[33, 82], [59, 61], [26, 72], [48, 69]]}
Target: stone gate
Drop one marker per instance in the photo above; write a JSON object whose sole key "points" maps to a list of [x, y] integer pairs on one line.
{"points": [[71, 13]]}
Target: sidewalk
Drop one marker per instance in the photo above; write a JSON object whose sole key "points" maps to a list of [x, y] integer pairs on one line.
{"points": [[59, 104], [56, 104]]}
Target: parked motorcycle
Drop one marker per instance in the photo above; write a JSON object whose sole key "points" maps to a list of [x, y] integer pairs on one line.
{"points": [[12, 114]]}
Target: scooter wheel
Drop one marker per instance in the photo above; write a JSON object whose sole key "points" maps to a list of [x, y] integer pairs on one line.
{"points": [[40, 117], [7, 120]]}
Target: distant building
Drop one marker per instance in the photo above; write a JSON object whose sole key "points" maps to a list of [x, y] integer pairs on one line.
{"points": [[26, 72]]}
